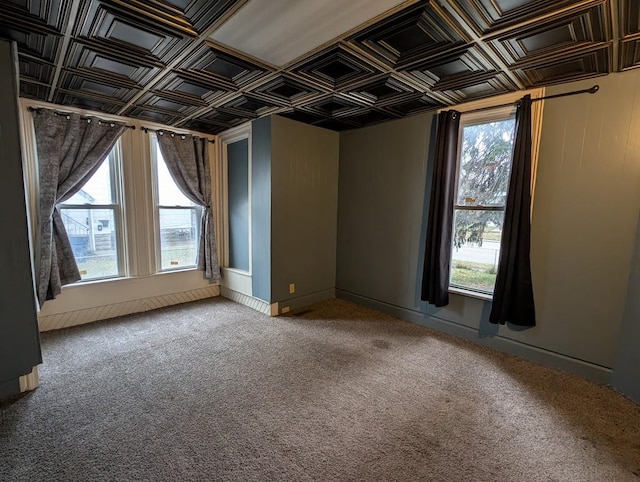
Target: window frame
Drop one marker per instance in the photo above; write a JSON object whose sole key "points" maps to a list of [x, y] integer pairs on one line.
{"points": [[493, 103], [157, 234], [470, 119], [116, 175]]}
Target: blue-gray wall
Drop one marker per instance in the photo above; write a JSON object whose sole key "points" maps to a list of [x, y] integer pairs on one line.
{"points": [[304, 182], [583, 233], [261, 208], [238, 203]]}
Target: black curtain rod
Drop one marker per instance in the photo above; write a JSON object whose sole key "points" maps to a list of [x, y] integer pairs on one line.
{"points": [[66, 114], [162, 131], [591, 90]]}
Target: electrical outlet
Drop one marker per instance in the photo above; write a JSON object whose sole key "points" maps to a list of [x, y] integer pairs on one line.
{"points": [[285, 309], [292, 288]]}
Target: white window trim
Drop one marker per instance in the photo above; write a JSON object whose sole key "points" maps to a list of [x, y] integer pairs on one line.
{"points": [[537, 111], [137, 176], [229, 137], [156, 214]]}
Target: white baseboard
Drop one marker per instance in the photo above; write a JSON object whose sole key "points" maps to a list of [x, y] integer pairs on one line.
{"points": [[89, 315], [30, 381], [535, 354], [253, 303]]}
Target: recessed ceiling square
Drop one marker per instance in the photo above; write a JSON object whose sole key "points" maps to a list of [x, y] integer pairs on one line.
{"points": [[280, 31]]}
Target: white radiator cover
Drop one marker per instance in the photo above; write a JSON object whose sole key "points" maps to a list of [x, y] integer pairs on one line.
{"points": [[88, 315]]}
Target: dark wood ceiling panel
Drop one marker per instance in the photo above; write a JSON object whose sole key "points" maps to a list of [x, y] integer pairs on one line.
{"points": [[86, 101], [35, 44], [477, 87], [95, 60], [415, 34], [288, 90], [30, 90], [170, 102], [578, 67], [34, 71], [213, 65], [154, 115], [629, 17], [336, 124], [382, 91], [219, 117], [414, 105], [154, 59], [85, 83], [367, 117], [304, 116], [46, 16], [190, 91], [114, 26], [487, 16], [205, 127], [334, 68], [453, 69], [192, 16], [250, 106], [334, 106], [630, 54], [559, 36]]}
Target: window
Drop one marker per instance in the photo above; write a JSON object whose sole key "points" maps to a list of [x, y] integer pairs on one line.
{"points": [[93, 220], [178, 219], [484, 167]]}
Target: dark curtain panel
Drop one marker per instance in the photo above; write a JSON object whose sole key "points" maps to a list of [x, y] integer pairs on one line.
{"points": [[188, 162], [437, 259], [513, 294], [70, 149]]}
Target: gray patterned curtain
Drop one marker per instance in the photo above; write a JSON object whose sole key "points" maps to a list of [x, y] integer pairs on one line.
{"points": [[188, 162], [70, 148]]}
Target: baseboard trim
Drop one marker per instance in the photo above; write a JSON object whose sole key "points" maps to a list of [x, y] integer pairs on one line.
{"points": [[30, 381], [306, 300], [246, 300], [89, 315], [549, 358]]}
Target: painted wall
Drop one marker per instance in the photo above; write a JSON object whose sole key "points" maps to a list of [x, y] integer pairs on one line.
{"points": [[585, 212], [261, 208], [304, 196], [19, 341], [238, 189]]}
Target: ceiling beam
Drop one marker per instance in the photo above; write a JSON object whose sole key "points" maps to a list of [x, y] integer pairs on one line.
{"points": [[62, 53]]}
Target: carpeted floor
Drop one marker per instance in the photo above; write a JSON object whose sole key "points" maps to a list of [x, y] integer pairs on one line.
{"points": [[215, 391]]}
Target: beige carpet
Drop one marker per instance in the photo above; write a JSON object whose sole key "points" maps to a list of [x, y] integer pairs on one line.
{"points": [[215, 391]]}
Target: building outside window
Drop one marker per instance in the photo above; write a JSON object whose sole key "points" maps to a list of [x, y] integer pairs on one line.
{"points": [[93, 220]]}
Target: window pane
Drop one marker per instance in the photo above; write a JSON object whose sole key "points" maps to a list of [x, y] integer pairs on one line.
{"points": [[179, 237], [485, 163], [476, 249], [93, 236], [98, 189], [169, 194]]}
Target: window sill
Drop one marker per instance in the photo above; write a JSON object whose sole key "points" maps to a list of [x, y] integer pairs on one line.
{"points": [[470, 294]]}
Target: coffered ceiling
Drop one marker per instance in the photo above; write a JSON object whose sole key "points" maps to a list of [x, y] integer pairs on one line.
{"points": [[165, 60]]}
